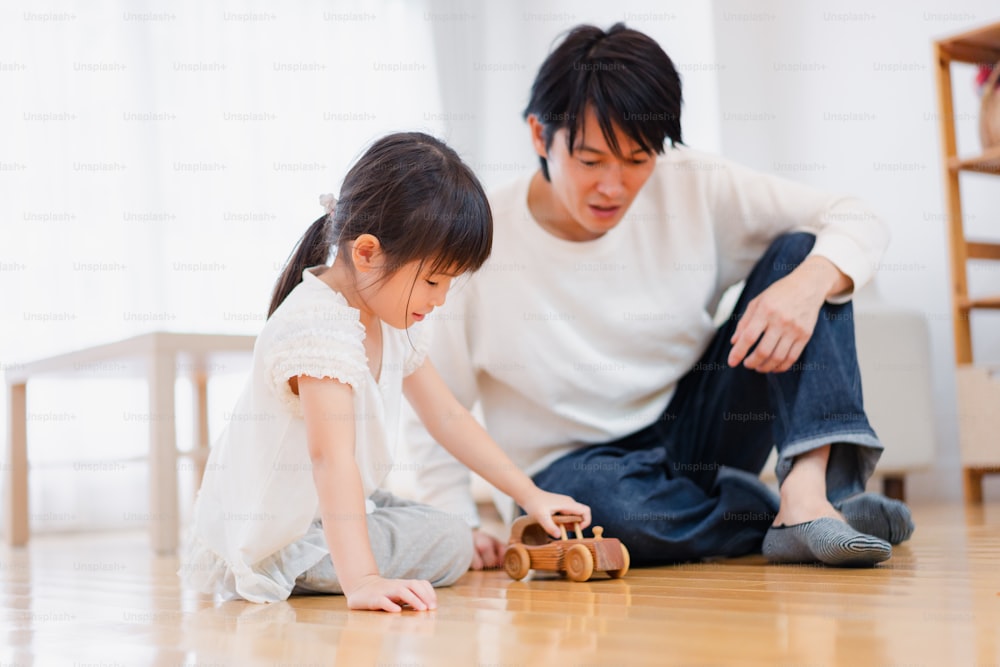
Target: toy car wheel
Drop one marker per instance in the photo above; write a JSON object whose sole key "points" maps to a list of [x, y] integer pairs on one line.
{"points": [[517, 562], [618, 574], [579, 563]]}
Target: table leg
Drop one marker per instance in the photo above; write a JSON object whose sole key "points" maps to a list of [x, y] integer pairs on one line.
{"points": [[972, 479], [16, 470], [201, 444], [162, 453]]}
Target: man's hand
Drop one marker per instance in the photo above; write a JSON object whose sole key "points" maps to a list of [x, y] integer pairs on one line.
{"points": [[488, 551], [781, 319]]}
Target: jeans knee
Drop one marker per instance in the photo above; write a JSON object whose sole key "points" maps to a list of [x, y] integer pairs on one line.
{"points": [[788, 250]]}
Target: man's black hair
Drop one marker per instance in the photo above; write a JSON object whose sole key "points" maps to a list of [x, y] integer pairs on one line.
{"points": [[622, 74]]}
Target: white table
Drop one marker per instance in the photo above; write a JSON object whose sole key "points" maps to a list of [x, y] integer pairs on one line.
{"points": [[156, 356]]}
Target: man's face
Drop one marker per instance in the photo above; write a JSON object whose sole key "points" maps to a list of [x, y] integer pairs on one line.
{"points": [[592, 188]]}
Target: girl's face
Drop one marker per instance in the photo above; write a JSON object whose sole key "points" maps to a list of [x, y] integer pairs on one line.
{"points": [[408, 295]]}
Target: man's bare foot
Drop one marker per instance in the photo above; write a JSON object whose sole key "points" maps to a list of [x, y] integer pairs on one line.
{"points": [[803, 493]]}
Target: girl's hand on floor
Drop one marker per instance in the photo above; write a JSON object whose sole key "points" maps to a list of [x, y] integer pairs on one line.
{"points": [[376, 593]]}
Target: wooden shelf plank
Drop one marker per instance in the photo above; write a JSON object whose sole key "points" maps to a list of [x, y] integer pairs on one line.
{"points": [[988, 302], [982, 250], [981, 45], [987, 163]]}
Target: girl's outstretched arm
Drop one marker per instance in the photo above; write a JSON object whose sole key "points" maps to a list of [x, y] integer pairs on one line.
{"points": [[328, 410], [457, 430]]}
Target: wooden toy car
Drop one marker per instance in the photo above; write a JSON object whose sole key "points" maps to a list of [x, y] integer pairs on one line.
{"points": [[531, 548]]}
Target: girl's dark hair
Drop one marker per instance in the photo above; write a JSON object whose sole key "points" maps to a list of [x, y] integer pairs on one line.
{"points": [[416, 196], [622, 74]]}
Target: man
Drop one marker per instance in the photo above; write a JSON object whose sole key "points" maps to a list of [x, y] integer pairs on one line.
{"points": [[588, 339]]}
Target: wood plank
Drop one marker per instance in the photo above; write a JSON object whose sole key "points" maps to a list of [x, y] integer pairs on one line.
{"points": [[104, 598], [981, 250], [972, 53], [986, 163], [985, 302], [981, 45], [163, 507], [16, 466], [956, 233], [112, 358]]}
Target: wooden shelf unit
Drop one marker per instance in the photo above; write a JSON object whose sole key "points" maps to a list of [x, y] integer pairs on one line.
{"points": [[978, 390]]}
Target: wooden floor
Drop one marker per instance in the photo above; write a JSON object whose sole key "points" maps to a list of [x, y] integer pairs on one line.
{"points": [[105, 600]]}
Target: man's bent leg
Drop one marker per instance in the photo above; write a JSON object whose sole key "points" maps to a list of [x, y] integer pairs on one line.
{"points": [[662, 518], [733, 416], [827, 450]]}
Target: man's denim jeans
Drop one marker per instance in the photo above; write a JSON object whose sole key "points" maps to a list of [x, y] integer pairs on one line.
{"points": [[687, 486]]}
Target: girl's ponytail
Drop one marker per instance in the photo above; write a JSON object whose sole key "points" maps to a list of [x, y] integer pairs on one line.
{"points": [[312, 249]]}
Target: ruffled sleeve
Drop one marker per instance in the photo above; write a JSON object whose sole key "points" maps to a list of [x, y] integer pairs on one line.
{"points": [[321, 340]]}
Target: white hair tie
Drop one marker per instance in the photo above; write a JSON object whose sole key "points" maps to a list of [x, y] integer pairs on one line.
{"points": [[329, 202]]}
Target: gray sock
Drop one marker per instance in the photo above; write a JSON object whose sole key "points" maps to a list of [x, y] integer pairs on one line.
{"points": [[874, 514], [825, 540]]}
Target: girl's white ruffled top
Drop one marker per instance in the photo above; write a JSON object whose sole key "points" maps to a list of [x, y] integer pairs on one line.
{"points": [[255, 527]]}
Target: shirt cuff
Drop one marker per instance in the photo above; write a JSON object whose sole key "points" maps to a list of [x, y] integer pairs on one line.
{"points": [[847, 256]]}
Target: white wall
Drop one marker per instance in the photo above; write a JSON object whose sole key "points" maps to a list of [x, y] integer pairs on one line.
{"points": [[842, 95]]}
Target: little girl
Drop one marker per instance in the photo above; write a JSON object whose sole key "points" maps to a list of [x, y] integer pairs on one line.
{"points": [[290, 502]]}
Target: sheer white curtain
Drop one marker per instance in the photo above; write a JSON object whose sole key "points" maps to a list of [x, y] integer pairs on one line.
{"points": [[158, 162]]}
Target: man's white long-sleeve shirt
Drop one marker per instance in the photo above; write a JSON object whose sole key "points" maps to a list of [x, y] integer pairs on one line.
{"points": [[565, 343]]}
